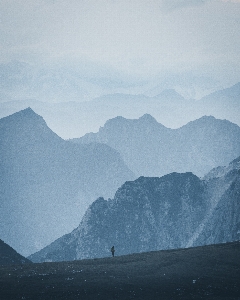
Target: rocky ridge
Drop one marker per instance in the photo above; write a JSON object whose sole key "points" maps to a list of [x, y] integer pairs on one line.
{"points": [[174, 211]]}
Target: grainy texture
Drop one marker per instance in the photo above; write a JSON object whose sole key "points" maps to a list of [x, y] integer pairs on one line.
{"points": [[8, 256], [150, 149], [46, 183], [208, 272], [150, 214]]}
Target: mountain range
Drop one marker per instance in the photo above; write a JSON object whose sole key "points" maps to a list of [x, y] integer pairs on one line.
{"points": [[47, 183], [177, 210], [73, 119], [86, 80], [150, 149]]}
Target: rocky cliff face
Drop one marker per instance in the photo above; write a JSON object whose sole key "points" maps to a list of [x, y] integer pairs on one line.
{"points": [[224, 224], [147, 214], [174, 211]]}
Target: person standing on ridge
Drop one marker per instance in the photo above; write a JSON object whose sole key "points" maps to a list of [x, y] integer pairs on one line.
{"points": [[112, 250]]}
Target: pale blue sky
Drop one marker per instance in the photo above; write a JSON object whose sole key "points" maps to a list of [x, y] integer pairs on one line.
{"points": [[136, 37]]}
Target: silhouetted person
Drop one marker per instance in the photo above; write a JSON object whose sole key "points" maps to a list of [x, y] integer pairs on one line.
{"points": [[112, 250]]}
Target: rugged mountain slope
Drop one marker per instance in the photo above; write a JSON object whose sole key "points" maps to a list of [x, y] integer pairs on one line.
{"points": [[8, 256], [225, 219], [47, 183], [150, 149], [145, 214], [174, 211]]}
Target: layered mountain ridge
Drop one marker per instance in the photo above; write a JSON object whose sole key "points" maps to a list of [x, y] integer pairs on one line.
{"points": [[47, 183], [152, 213], [151, 149], [72, 119]]}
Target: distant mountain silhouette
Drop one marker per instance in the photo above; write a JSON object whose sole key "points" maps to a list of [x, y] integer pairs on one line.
{"points": [[8, 256], [230, 95], [174, 211], [74, 119], [20, 80], [47, 183], [223, 104], [150, 149], [170, 97]]}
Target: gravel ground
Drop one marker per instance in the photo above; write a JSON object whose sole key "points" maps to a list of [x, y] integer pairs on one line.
{"points": [[209, 272]]}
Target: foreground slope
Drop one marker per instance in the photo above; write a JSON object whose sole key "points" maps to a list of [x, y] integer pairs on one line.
{"points": [[209, 272], [8, 256], [46, 183], [150, 149], [173, 211]]}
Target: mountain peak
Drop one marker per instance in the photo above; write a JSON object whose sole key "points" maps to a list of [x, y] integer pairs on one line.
{"points": [[208, 122], [210, 119], [27, 112], [170, 93], [116, 121], [207, 118], [120, 121], [25, 125], [23, 115], [148, 118]]}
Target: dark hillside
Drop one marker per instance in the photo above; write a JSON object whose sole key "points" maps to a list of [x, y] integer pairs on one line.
{"points": [[208, 272], [8, 256]]}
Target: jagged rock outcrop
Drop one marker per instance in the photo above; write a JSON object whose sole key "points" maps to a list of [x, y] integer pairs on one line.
{"points": [[145, 214], [174, 211], [224, 224], [47, 183], [150, 149], [8, 256]]}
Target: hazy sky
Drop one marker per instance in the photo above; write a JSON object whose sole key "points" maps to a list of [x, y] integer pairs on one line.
{"points": [[137, 37]]}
